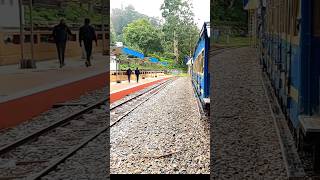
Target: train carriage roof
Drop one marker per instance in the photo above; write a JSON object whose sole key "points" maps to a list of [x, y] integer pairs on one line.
{"points": [[204, 36], [206, 26]]}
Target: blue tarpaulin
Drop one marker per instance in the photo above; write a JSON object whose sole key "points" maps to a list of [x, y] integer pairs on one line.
{"points": [[131, 52], [153, 60]]}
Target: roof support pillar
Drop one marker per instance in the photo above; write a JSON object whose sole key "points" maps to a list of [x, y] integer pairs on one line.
{"points": [[21, 31]]}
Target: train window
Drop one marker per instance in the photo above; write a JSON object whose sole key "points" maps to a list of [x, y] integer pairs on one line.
{"points": [[287, 19], [296, 15], [283, 16], [316, 18], [16, 39], [99, 36], [202, 61], [198, 65], [46, 38], [27, 38], [107, 36], [276, 18]]}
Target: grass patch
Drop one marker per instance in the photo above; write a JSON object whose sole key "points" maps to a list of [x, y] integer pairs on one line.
{"points": [[233, 42]]}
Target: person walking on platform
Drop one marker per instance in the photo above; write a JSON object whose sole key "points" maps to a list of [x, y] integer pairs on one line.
{"points": [[60, 34], [129, 71], [87, 34], [137, 72]]}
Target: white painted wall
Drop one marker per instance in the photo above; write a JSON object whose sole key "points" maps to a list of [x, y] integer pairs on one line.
{"points": [[113, 63], [119, 44], [9, 13]]}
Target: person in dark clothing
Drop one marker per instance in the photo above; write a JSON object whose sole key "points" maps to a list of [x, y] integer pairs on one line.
{"points": [[129, 71], [87, 34], [137, 72], [60, 34]]}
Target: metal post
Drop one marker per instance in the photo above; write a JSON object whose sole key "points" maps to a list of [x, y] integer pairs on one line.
{"points": [[102, 24], [117, 71], [31, 34], [21, 33]]}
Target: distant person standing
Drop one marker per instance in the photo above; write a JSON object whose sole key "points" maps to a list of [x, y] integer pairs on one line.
{"points": [[87, 34], [60, 34], [137, 72], [129, 71]]}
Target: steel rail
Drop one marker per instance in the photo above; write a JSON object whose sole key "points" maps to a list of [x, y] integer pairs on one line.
{"points": [[36, 134], [54, 125], [128, 112], [135, 97], [60, 160]]}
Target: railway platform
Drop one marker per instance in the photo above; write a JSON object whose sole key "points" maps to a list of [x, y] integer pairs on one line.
{"points": [[25, 93], [120, 90]]}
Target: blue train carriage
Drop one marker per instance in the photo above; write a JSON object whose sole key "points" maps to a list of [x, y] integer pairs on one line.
{"points": [[200, 71], [291, 42]]}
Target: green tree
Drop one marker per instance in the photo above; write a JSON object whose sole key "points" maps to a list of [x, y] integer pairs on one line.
{"points": [[223, 11], [121, 17], [142, 35], [72, 12], [179, 28], [112, 34]]}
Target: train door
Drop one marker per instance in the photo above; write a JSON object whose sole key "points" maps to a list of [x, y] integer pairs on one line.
{"points": [[293, 59], [286, 52], [315, 54], [282, 51]]}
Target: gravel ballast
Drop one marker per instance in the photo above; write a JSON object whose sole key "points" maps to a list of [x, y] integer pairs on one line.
{"points": [[244, 140], [164, 135], [46, 118]]}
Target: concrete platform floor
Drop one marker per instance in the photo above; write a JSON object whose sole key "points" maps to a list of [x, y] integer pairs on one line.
{"points": [[14, 80]]}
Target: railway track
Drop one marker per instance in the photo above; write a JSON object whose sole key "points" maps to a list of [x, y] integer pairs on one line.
{"points": [[39, 153], [120, 111], [219, 50], [291, 158]]}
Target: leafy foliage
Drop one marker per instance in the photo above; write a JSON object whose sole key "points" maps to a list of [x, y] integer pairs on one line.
{"points": [[180, 31], [169, 41], [122, 17], [142, 35], [223, 11], [73, 12], [112, 34]]}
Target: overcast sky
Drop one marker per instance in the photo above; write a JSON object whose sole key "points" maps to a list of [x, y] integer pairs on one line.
{"points": [[201, 8]]}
